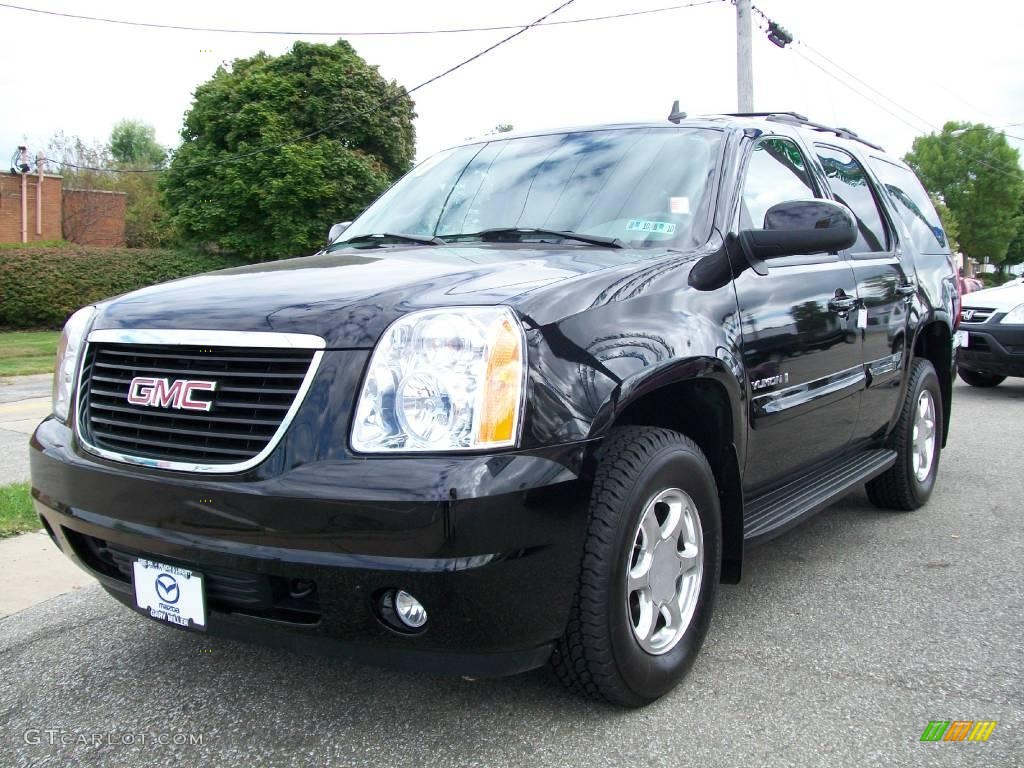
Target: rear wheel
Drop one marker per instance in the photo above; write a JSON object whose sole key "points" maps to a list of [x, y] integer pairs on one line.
{"points": [[917, 440], [650, 569], [976, 379]]}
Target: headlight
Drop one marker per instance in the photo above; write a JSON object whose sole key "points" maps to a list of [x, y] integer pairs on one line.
{"points": [[69, 355], [443, 380], [1015, 316]]}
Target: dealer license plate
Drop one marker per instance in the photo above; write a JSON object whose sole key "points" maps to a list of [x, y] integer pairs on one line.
{"points": [[170, 594], [961, 339]]}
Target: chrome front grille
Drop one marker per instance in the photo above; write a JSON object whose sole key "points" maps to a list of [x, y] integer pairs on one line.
{"points": [[247, 400], [975, 315]]}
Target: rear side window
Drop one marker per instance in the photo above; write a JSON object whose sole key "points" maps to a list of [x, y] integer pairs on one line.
{"points": [[851, 187], [913, 205]]}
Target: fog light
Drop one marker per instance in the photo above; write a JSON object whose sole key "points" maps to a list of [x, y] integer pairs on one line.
{"points": [[299, 588], [409, 610]]}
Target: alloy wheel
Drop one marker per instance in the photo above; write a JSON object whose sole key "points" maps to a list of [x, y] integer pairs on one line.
{"points": [[663, 575], [924, 436]]}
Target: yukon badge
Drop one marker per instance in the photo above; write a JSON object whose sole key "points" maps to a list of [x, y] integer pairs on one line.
{"points": [[769, 381], [164, 393]]}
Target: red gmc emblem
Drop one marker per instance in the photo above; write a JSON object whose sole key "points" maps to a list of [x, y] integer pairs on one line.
{"points": [[164, 393]]}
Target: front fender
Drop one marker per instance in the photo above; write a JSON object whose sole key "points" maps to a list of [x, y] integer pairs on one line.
{"points": [[585, 369], [649, 381]]}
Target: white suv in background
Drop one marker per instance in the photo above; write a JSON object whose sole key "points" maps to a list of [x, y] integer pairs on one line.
{"points": [[991, 335]]}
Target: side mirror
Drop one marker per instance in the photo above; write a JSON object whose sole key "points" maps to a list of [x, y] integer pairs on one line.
{"points": [[801, 227], [337, 230]]}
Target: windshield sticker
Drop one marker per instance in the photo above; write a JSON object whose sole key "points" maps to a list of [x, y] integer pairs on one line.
{"points": [[679, 204], [656, 227]]}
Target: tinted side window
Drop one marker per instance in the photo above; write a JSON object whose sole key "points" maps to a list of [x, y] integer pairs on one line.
{"points": [[913, 205], [777, 172], [850, 186]]}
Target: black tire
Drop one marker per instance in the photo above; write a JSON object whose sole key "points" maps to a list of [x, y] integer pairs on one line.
{"points": [[899, 488], [977, 379], [599, 656]]}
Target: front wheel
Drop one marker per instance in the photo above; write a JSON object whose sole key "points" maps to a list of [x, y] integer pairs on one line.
{"points": [[917, 440], [976, 379], [650, 569]]}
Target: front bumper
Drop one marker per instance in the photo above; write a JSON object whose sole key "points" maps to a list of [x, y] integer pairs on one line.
{"points": [[491, 546], [993, 348]]}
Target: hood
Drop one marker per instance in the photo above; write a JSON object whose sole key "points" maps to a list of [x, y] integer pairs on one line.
{"points": [[350, 297], [1001, 299]]}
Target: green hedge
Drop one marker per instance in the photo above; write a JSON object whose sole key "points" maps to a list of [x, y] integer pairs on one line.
{"points": [[991, 279], [40, 286]]}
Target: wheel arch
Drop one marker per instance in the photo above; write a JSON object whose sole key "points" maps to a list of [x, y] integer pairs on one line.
{"points": [[701, 399], [934, 342]]}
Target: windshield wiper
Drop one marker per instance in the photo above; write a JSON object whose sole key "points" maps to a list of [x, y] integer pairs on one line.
{"points": [[497, 233], [379, 237]]}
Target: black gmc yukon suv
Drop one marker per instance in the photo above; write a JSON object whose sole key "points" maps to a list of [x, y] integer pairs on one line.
{"points": [[530, 406]]}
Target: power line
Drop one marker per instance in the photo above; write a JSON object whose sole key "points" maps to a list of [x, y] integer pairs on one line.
{"points": [[351, 116], [957, 147], [850, 74], [378, 33], [928, 124], [838, 79], [867, 85], [970, 156]]}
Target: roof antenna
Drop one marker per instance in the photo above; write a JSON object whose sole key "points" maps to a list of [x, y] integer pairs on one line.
{"points": [[675, 115]]}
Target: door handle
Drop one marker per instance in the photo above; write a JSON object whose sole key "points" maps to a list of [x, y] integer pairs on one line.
{"points": [[906, 290], [842, 304]]}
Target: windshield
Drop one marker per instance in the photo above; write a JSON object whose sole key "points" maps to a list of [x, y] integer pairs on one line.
{"points": [[646, 187]]}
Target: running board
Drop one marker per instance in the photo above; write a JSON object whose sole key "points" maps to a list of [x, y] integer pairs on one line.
{"points": [[772, 513]]}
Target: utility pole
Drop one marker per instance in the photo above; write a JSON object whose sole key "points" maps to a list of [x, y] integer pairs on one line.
{"points": [[744, 58], [39, 195], [23, 167]]}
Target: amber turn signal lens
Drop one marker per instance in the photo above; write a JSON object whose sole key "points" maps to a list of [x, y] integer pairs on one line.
{"points": [[499, 413]]}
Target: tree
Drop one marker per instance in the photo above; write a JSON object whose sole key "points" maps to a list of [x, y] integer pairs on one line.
{"points": [[133, 146], [146, 223], [74, 159], [145, 219], [338, 133], [77, 162], [133, 143], [1015, 253], [978, 175]]}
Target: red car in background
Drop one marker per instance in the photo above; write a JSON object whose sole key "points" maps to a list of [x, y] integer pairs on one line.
{"points": [[970, 284]]}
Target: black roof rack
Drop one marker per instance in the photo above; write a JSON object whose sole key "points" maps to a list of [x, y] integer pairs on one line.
{"points": [[794, 118], [795, 115]]}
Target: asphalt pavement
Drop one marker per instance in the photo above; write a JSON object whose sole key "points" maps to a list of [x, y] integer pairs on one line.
{"points": [[845, 638]]}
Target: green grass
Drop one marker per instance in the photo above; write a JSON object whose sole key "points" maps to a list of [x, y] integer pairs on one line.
{"points": [[16, 512], [25, 352]]}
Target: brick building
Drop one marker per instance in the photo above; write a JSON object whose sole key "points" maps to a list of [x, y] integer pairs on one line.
{"points": [[10, 208], [85, 216], [94, 217]]}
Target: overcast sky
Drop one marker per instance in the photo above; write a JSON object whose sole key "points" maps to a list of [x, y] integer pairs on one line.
{"points": [[940, 60]]}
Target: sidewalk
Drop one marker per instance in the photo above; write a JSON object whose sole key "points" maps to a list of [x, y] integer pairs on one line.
{"points": [[24, 402], [16, 388], [32, 569]]}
